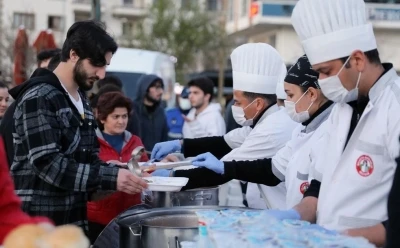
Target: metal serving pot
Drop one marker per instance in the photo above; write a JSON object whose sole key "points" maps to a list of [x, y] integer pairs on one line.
{"points": [[161, 228], [193, 197], [167, 231]]}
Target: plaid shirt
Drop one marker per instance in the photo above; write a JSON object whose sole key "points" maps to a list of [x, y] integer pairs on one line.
{"points": [[56, 164]]}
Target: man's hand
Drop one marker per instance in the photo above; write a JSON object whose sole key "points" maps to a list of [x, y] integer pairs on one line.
{"points": [[210, 162], [375, 234], [162, 149], [170, 158], [129, 183]]}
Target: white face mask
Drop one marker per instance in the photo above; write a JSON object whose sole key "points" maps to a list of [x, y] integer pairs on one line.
{"points": [[291, 110], [239, 116], [184, 104], [334, 90]]}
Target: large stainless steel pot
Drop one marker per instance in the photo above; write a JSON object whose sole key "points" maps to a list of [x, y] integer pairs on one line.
{"points": [[193, 197], [161, 228], [169, 230]]}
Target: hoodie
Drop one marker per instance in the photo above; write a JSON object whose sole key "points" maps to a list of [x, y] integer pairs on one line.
{"points": [[56, 165], [208, 123], [7, 123], [153, 126]]}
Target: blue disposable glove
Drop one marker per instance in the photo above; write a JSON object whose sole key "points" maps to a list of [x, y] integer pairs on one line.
{"points": [[210, 162], [284, 214], [161, 173], [319, 228], [162, 149]]}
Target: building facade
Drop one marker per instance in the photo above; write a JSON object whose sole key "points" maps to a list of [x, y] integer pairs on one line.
{"points": [[269, 21], [120, 16]]}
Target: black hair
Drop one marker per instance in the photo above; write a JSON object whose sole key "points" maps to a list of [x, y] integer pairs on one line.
{"points": [[54, 62], [270, 98], [372, 56], [47, 54], [109, 80], [205, 84], [89, 40], [3, 85], [105, 89]]}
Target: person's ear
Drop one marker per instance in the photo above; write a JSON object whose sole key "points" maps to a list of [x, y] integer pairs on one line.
{"points": [[73, 56], [259, 104], [207, 97], [359, 60], [313, 94]]}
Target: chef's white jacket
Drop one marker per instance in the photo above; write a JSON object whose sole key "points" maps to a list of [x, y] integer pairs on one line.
{"points": [[269, 135], [292, 163], [206, 124], [356, 179]]}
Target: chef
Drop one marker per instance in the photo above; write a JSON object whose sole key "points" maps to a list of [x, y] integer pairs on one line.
{"points": [[363, 128], [306, 105], [257, 67]]}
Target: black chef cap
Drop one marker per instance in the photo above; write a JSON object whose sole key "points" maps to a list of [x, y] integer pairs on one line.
{"points": [[302, 74]]}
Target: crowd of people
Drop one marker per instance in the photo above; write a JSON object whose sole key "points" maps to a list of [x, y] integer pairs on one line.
{"points": [[318, 142]]}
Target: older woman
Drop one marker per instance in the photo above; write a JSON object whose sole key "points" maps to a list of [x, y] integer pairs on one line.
{"points": [[116, 146]]}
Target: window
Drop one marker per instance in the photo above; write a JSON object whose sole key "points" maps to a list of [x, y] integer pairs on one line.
{"points": [[81, 16], [27, 20], [244, 8], [55, 23], [212, 5], [127, 29], [128, 2]]}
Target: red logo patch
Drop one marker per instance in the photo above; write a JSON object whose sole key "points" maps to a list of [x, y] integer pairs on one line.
{"points": [[365, 165], [303, 187]]}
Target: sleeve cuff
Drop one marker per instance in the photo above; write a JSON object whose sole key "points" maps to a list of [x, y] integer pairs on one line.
{"points": [[385, 224], [109, 177]]}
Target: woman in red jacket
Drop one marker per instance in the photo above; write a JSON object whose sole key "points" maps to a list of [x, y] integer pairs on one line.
{"points": [[116, 145], [11, 215]]}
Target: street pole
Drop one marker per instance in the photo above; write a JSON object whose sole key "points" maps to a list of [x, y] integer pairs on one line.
{"points": [[221, 53], [96, 10]]}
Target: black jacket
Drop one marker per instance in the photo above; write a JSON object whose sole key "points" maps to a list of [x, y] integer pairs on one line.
{"points": [[56, 164], [153, 126], [7, 123]]}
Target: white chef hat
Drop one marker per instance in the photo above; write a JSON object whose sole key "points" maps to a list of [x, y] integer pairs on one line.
{"points": [[332, 29], [280, 89], [256, 68]]}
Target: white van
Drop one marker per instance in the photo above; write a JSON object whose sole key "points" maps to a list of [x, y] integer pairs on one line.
{"points": [[129, 64]]}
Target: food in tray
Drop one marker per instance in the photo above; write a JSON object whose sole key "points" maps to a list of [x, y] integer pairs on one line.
{"points": [[241, 228], [36, 236]]}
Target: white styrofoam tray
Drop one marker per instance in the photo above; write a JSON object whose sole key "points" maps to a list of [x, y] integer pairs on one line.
{"points": [[166, 184]]}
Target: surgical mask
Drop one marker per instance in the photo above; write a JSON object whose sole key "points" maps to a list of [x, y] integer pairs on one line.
{"points": [[239, 116], [184, 104], [334, 90], [291, 110]]}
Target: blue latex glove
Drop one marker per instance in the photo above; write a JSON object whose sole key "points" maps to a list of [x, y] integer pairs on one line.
{"points": [[284, 214], [210, 162], [319, 228], [162, 149], [161, 173]]}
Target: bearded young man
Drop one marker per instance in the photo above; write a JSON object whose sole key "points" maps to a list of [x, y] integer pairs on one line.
{"points": [[204, 119], [56, 166]]}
